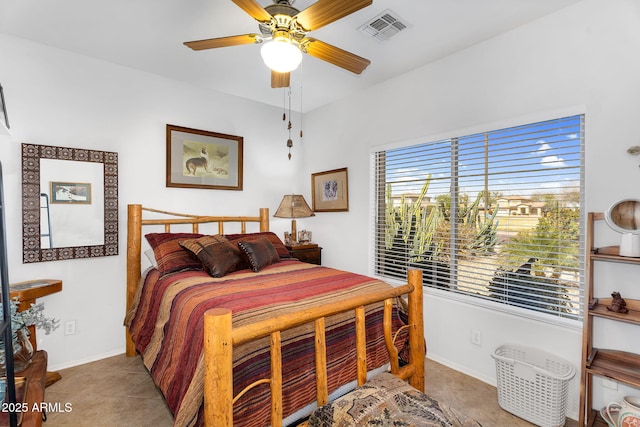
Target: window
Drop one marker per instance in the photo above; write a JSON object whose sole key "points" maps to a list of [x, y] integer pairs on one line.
{"points": [[494, 215]]}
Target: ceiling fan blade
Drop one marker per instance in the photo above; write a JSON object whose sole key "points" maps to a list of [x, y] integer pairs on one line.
{"points": [[279, 79], [335, 55], [324, 12], [223, 41], [254, 9]]}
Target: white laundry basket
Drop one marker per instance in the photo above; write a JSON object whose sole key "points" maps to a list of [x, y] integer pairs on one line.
{"points": [[532, 384]]}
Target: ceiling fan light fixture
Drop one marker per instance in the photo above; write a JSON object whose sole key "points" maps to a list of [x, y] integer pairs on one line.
{"points": [[281, 54]]}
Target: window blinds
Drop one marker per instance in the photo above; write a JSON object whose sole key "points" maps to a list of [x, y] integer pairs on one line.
{"points": [[494, 215]]}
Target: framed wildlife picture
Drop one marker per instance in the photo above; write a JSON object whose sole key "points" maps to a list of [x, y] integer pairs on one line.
{"points": [[70, 192], [330, 191], [203, 159]]}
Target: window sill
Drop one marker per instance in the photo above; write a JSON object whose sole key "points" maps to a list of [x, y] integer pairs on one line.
{"points": [[507, 309], [495, 306]]}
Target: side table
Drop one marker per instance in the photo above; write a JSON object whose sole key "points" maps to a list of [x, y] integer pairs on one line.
{"points": [[310, 252], [27, 293]]}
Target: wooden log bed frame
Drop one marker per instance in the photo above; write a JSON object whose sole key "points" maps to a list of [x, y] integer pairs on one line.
{"points": [[220, 336]]}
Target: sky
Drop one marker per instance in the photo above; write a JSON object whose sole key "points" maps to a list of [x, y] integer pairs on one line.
{"points": [[523, 160]]}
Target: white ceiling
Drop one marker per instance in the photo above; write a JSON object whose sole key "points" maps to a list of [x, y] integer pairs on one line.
{"points": [[148, 34]]}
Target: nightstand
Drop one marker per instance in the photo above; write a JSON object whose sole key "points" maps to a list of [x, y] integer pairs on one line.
{"points": [[311, 252]]}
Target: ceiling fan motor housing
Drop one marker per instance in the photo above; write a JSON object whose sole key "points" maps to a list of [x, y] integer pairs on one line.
{"points": [[282, 20]]}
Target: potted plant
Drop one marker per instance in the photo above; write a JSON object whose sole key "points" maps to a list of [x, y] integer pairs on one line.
{"points": [[20, 322]]}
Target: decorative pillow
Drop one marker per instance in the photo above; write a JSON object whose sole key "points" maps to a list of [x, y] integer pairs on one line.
{"points": [[216, 253], [260, 253], [168, 253], [269, 235], [151, 257]]}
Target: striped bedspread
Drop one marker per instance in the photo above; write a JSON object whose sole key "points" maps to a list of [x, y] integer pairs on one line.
{"points": [[166, 324]]}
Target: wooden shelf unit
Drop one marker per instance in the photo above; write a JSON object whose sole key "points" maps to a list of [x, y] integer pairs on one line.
{"points": [[620, 366]]}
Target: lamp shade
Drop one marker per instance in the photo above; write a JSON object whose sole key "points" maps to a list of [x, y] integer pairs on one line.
{"points": [[281, 55], [293, 206]]}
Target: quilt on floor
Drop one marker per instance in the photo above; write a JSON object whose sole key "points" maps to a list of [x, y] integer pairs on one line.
{"points": [[166, 324]]}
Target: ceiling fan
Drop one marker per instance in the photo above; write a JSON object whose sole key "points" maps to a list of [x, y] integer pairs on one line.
{"points": [[284, 29]]}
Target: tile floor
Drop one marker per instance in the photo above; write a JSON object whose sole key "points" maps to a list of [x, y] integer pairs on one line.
{"points": [[118, 392]]}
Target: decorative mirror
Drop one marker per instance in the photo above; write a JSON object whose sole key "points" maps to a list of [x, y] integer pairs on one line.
{"points": [[69, 203], [624, 217]]}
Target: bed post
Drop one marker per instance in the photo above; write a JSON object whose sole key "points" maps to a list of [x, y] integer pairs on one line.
{"points": [[264, 219], [218, 374], [134, 249], [417, 350]]}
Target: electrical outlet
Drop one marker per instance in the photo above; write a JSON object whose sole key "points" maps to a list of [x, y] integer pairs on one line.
{"points": [[70, 327], [609, 384], [476, 337]]}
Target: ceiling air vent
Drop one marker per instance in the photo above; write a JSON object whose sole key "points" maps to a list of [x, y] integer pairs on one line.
{"points": [[384, 26]]}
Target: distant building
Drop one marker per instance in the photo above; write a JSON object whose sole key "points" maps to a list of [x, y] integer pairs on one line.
{"points": [[411, 198], [506, 205], [518, 205]]}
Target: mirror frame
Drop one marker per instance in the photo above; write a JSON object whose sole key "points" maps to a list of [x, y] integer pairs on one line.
{"points": [[31, 241]]}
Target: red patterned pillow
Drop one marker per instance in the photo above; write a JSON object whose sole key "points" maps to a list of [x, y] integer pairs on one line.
{"points": [[269, 235], [217, 254], [170, 255]]}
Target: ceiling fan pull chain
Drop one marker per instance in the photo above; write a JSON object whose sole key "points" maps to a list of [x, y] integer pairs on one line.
{"points": [[289, 126], [284, 105], [301, 123]]}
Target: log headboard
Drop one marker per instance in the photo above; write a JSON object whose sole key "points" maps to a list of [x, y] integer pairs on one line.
{"points": [[134, 240]]}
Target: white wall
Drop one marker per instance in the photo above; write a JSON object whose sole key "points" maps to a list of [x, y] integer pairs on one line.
{"points": [[581, 59], [57, 98]]}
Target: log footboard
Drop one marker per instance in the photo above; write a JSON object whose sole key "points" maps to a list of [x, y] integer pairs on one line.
{"points": [[221, 338]]}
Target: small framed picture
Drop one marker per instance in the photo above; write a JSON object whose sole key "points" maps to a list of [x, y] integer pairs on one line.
{"points": [[330, 191], [304, 236], [203, 159], [71, 193]]}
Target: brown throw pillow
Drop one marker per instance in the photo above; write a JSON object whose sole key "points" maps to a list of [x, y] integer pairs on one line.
{"points": [[260, 253], [283, 252], [216, 253]]}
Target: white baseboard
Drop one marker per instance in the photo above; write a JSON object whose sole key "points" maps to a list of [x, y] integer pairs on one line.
{"points": [[72, 363], [464, 369]]}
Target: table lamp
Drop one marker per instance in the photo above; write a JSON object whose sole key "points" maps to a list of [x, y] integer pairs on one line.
{"points": [[293, 206]]}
